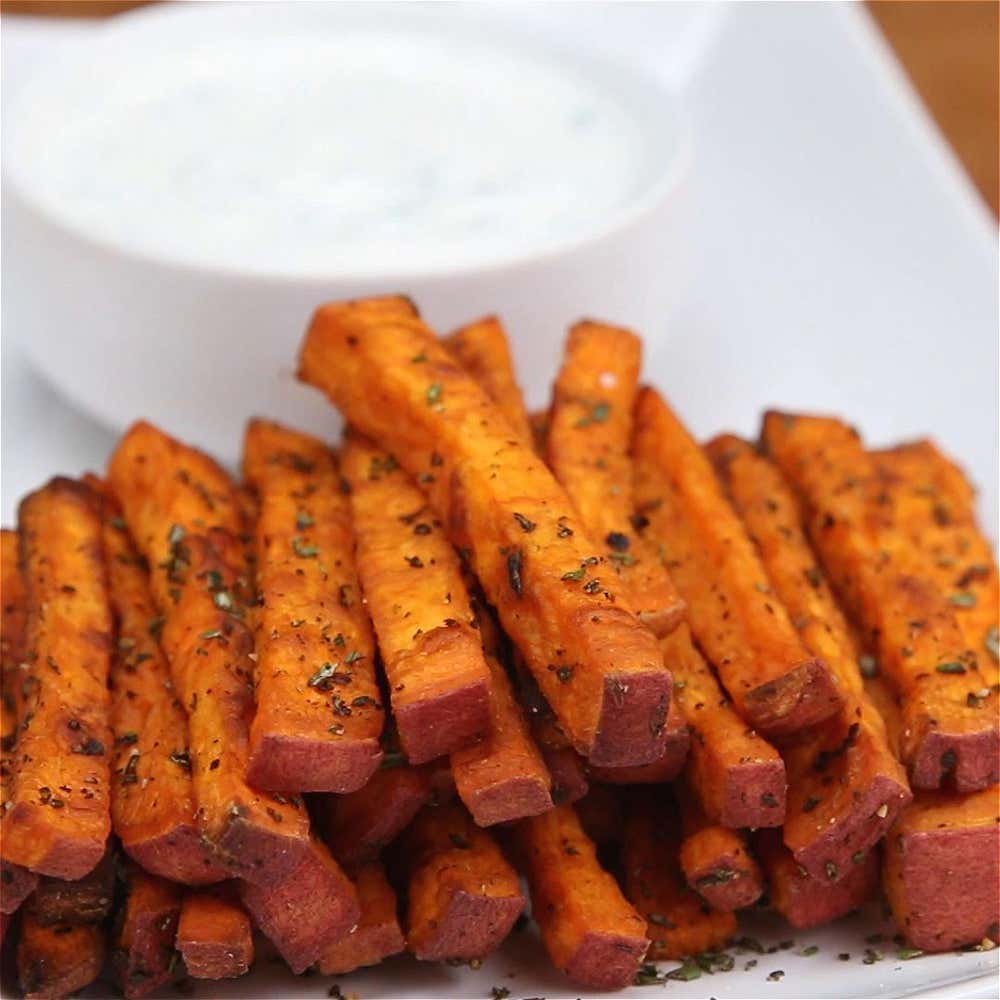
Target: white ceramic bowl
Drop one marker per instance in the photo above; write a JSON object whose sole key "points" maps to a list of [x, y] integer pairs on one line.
{"points": [[126, 328]]}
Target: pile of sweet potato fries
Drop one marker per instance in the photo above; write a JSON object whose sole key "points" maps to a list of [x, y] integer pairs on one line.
{"points": [[373, 698]]}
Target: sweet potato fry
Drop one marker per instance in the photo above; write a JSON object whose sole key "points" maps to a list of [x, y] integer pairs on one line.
{"points": [[941, 872], [595, 662], [214, 935], [939, 865], [57, 960], [319, 715], [805, 901], [307, 911], [846, 787], [58, 819], [951, 734], [377, 935], [152, 799], [85, 900], [590, 930], [746, 634], [357, 826], [183, 513], [412, 580], [587, 444], [936, 511], [16, 882], [143, 953], [678, 921], [675, 752], [738, 777], [503, 777], [483, 351], [464, 896], [716, 860]]}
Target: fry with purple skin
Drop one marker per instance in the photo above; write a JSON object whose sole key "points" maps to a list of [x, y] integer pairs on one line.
{"points": [[846, 787], [152, 798], [737, 776], [590, 930], [182, 510], [413, 584], [377, 935], [464, 896], [58, 817], [548, 581], [358, 826], [951, 731], [679, 922], [716, 861], [775, 683], [214, 935], [587, 447], [319, 714], [504, 777]]}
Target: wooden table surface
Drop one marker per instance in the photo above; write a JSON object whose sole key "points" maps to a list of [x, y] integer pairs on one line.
{"points": [[949, 49]]}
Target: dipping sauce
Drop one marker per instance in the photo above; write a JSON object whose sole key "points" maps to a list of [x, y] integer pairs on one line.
{"points": [[365, 152]]}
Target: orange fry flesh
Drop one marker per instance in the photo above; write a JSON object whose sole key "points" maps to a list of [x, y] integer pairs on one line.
{"points": [[596, 664], [319, 714], [950, 731], [412, 580], [587, 443], [775, 684]]}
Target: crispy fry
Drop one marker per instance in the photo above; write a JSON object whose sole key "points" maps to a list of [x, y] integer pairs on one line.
{"points": [[941, 869], [949, 737], [738, 777], [502, 778], [936, 511], [805, 901], [143, 954], [85, 900], [587, 445], [152, 800], [57, 960], [319, 716], [214, 935], [590, 930], [464, 896], [483, 350], [16, 882], [678, 921], [746, 634], [596, 664], [307, 911], [58, 819], [377, 935], [846, 787], [675, 752], [439, 682], [716, 860], [359, 825], [939, 865], [182, 511]]}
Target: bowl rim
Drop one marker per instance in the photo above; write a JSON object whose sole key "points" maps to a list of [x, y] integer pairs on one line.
{"points": [[146, 24]]}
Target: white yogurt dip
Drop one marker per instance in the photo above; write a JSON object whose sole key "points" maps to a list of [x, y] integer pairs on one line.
{"points": [[371, 151]]}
